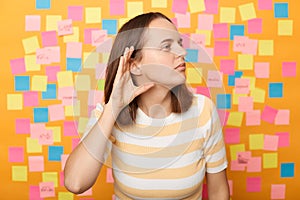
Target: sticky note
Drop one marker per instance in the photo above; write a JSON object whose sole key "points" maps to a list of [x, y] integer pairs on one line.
{"points": [[262, 69], [253, 118], [51, 22], [253, 184], [75, 13], [88, 192], [92, 15], [30, 44], [205, 21], [117, 7], [221, 48], [135, 8], [56, 112], [211, 6], [256, 141], [30, 98], [74, 50], [39, 83], [74, 64], [265, 5], [46, 189], [281, 10], [51, 72], [223, 101], [227, 14], [220, 30], [49, 38], [255, 26], [65, 196], [65, 79], [265, 47], [36, 129], [19, 173], [36, 163], [46, 138], [82, 82], [56, 131], [284, 139], [245, 62], [236, 96], [14, 102], [270, 160], [110, 25], [235, 149], [105, 49], [50, 92], [98, 37], [16, 154], [72, 37], [55, 152], [214, 78], [235, 119], [278, 191], [242, 86], [40, 115], [70, 128], [227, 66], [33, 146], [68, 95], [231, 78], [232, 135], [180, 6], [254, 164], [258, 95], [100, 84], [64, 27], [109, 176], [196, 6], [247, 11], [245, 104], [282, 117], [42, 4], [192, 55], [271, 142], [17, 66], [285, 27], [236, 166], [183, 20], [22, 83], [275, 90], [31, 64], [207, 34], [269, 114], [236, 30], [50, 177], [289, 69], [22, 125], [32, 23], [287, 170]]}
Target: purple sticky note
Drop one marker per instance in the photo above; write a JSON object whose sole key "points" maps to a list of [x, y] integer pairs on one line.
{"points": [[205, 22], [180, 6], [17, 66], [211, 6], [255, 26], [289, 69], [34, 193], [23, 126], [254, 164], [220, 30], [88, 35], [74, 50], [70, 128], [284, 139], [232, 135], [253, 118], [262, 69], [51, 72], [49, 38], [227, 66], [221, 48], [117, 7], [16, 154], [253, 184], [75, 13], [32, 23], [36, 163], [282, 117], [31, 98], [269, 114], [265, 5]]}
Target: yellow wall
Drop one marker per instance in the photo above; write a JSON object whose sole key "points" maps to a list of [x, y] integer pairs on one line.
{"points": [[12, 20]]}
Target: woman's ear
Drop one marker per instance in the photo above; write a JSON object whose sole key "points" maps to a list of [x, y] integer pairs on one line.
{"points": [[135, 69]]}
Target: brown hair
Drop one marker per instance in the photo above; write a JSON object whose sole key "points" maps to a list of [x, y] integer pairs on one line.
{"points": [[181, 97]]}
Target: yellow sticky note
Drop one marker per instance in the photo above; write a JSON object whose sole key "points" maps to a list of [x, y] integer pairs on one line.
{"points": [[122, 21], [19, 173], [39, 83], [270, 160], [258, 95], [82, 124], [159, 3], [236, 148], [92, 15], [72, 37], [235, 97], [30, 63], [265, 47], [105, 57], [252, 81], [65, 196], [285, 27], [196, 6], [14, 101], [235, 119], [65, 78], [82, 82], [134, 8], [245, 62], [30, 44], [56, 131], [73, 110], [51, 22], [247, 11], [100, 84], [194, 75], [33, 146], [256, 141], [207, 34], [90, 60], [227, 15], [50, 177]]}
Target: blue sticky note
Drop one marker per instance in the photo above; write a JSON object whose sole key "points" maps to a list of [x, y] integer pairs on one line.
{"points": [[223, 101], [42, 4], [22, 83], [192, 55], [74, 64], [275, 90], [55, 152], [40, 115], [287, 170], [110, 25], [281, 10], [50, 93], [231, 78], [238, 30]]}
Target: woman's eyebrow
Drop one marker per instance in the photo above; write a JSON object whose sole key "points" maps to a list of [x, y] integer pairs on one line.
{"points": [[171, 40]]}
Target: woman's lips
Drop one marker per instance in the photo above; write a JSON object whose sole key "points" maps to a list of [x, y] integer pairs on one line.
{"points": [[181, 67]]}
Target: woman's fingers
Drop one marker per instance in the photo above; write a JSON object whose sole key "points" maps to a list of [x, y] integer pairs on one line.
{"points": [[141, 89]]}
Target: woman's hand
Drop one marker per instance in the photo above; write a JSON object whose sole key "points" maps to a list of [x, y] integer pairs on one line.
{"points": [[124, 90]]}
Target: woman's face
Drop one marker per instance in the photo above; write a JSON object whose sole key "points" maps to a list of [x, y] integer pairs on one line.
{"points": [[162, 55]]}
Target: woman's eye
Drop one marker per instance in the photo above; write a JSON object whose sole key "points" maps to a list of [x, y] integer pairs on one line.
{"points": [[166, 46]]}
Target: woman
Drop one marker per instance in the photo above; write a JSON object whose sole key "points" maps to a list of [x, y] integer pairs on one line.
{"points": [[163, 140]]}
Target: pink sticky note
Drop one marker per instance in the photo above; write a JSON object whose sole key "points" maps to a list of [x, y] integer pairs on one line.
{"points": [[54, 54], [254, 164], [75, 142], [232, 135], [253, 184], [16, 154], [105, 47], [64, 27], [109, 175], [70, 128], [32, 23], [251, 47], [221, 48], [230, 184], [211, 6], [243, 157], [197, 41], [253, 118], [203, 90], [95, 96], [220, 30], [67, 95], [46, 138], [269, 114], [37, 129], [48, 55], [17, 66], [227, 66], [61, 178], [262, 69], [271, 142], [88, 192], [100, 70], [236, 166], [180, 6], [74, 50], [214, 78], [205, 21], [47, 189], [223, 116], [289, 69], [242, 86], [183, 20], [205, 55], [23, 126], [31, 98], [98, 37], [265, 5], [255, 26], [51, 72], [239, 43], [245, 104], [34, 193], [117, 7], [49, 38], [204, 191], [186, 40], [174, 21], [64, 158], [88, 35], [282, 117], [75, 13], [278, 191], [284, 139], [36, 163]]}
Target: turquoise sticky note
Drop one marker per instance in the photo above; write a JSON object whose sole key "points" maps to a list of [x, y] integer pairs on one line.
{"points": [[40, 115], [55, 152], [22, 83], [42, 4], [50, 93], [287, 170], [238, 30], [281, 10], [275, 90], [223, 101], [231, 78], [192, 55], [74, 64], [110, 25]]}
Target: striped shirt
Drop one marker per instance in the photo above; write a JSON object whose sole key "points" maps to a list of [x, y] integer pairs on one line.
{"points": [[167, 158]]}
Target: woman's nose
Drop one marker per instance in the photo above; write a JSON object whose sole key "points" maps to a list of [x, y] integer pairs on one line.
{"points": [[179, 51]]}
